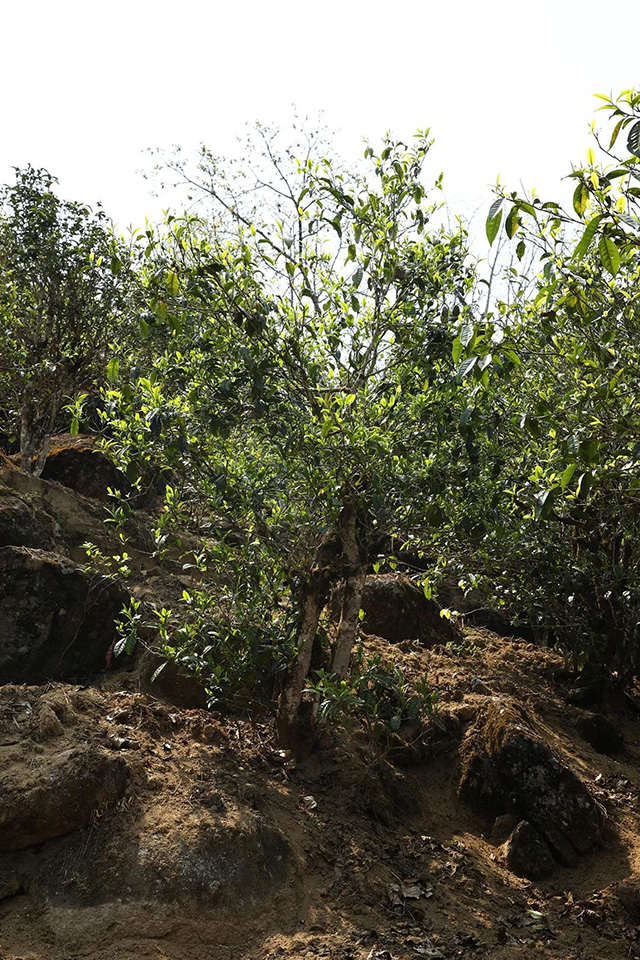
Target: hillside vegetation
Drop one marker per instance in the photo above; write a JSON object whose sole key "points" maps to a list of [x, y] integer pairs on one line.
{"points": [[319, 563]]}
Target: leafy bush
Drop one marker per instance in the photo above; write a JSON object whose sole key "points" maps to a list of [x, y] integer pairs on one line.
{"points": [[65, 294], [375, 694]]}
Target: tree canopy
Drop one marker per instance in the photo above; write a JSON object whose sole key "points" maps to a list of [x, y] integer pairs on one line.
{"points": [[328, 383]]}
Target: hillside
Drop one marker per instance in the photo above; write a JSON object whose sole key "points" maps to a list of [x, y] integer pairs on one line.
{"points": [[135, 823]]}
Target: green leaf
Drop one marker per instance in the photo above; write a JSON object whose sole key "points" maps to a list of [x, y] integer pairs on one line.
{"points": [[580, 199], [573, 445], [512, 223], [588, 451], [172, 283], [585, 483], [156, 673], [544, 503], [456, 349], [495, 206], [466, 335], [587, 237], [527, 207], [520, 250], [74, 429], [466, 367], [513, 357], [120, 646], [609, 255], [493, 222], [616, 131], [565, 480], [112, 369]]}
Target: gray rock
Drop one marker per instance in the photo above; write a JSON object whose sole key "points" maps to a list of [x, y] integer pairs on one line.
{"points": [[503, 827], [527, 854], [509, 768], [629, 896], [56, 620]]}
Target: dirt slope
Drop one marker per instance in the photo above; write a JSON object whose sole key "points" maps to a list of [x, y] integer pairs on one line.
{"points": [[219, 847], [132, 828]]}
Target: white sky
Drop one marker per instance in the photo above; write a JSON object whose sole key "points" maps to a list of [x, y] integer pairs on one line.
{"points": [[505, 85]]}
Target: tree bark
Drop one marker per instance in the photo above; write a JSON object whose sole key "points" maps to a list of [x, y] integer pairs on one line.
{"points": [[28, 438], [334, 558], [352, 599], [36, 427], [314, 600]]}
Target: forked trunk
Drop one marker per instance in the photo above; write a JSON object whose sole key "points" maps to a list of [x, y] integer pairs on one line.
{"points": [[333, 560], [36, 426]]}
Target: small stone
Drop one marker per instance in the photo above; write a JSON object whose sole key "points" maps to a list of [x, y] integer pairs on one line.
{"points": [[503, 827], [527, 854], [466, 713], [479, 686], [45, 724], [117, 742], [629, 897]]}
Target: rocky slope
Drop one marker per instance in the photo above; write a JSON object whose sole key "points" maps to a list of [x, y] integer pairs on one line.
{"points": [[133, 827]]}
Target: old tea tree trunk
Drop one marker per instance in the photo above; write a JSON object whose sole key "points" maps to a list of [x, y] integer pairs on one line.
{"points": [[356, 572], [294, 729], [37, 421]]}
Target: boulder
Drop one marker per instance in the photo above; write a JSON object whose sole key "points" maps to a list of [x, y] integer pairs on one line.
{"points": [[48, 516], [57, 796], [208, 861], [396, 609], [77, 462], [508, 767], [56, 620], [527, 854]]}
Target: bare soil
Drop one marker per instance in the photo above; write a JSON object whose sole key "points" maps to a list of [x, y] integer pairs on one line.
{"points": [[222, 847]]}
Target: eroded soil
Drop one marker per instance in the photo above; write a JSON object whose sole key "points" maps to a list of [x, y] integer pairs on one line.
{"points": [[219, 846]]}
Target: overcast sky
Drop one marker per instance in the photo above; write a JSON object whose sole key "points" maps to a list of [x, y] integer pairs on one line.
{"points": [[505, 86]]}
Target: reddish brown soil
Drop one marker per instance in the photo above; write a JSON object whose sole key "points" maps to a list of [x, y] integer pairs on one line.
{"points": [[353, 858]]}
